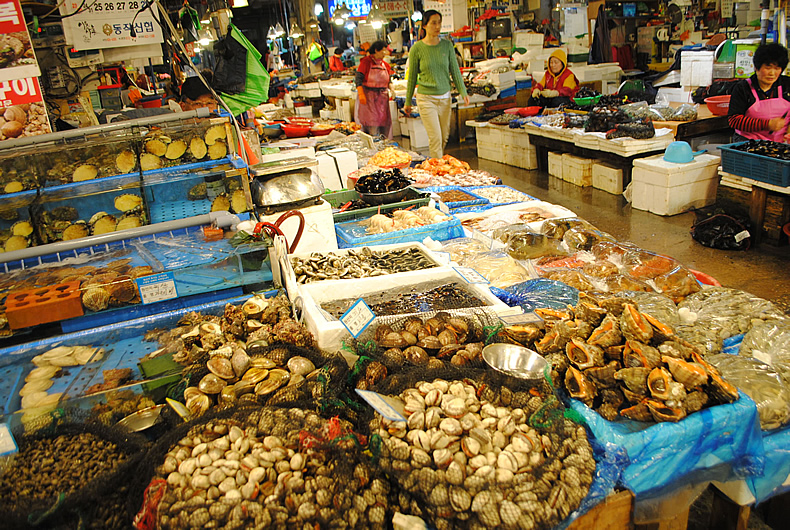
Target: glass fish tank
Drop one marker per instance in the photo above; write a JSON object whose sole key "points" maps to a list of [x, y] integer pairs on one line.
{"points": [[188, 141]]}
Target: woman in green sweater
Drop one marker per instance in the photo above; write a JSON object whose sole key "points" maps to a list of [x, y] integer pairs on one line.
{"points": [[431, 63]]}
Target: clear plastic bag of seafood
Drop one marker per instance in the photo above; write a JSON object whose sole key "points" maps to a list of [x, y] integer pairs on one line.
{"points": [[499, 269], [264, 467], [529, 245], [722, 312], [443, 458], [760, 382], [538, 293], [769, 342], [556, 228], [583, 239], [70, 475], [463, 248]]}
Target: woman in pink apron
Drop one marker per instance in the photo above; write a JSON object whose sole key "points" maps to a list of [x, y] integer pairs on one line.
{"points": [[760, 105], [373, 83]]}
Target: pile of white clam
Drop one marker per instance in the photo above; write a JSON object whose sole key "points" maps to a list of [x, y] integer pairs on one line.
{"points": [[226, 475], [464, 460]]}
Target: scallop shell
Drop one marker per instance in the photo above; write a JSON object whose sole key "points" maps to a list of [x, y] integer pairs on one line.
{"points": [[122, 289], [214, 133], [85, 172], [86, 354], [96, 298], [37, 385], [16, 243], [212, 384], [156, 147], [129, 221], [300, 365], [13, 187], [221, 367], [104, 225], [125, 161], [198, 148], [149, 162], [128, 202], [59, 351], [22, 228], [42, 372], [75, 231], [217, 150], [221, 203], [238, 202]]}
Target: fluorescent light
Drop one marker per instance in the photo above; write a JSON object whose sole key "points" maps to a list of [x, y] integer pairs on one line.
{"points": [[240, 3], [318, 10], [376, 24], [350, 25]]}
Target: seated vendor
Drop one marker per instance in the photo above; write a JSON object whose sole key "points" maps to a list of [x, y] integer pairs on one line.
{"points": [[558, 85], [760, 105], [194, 94], [336, 62]]}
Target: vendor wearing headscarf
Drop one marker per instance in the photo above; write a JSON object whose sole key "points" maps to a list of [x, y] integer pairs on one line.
{"points": [[760, 105], [558, 85]]}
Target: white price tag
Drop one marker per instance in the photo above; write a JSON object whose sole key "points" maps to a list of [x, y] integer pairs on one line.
{"points": [[522, 319], [382, 405], [157, 287], [357, 318], [442, 257], [443, 208], [7, 443], [487, 240], [740, 236], [470, 275]]}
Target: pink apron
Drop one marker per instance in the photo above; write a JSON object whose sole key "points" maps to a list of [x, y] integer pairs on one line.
{"points": [[376, 113], [765, 110]]}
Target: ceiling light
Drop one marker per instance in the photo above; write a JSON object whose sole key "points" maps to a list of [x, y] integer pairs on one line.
{"points": [[376, 17], [279, 31], [271, 35], [205, 37], [350, 25], [318, 10], [416, 16], [296, 31], [312, 24], [240, 3]]}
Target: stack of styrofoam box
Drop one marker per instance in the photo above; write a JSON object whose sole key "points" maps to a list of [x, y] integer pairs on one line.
{"points": [[328, 114], [394, 114], [309, 90], [607, 178], [666, 188], [696, 68], [517, 149], [489, 143], [555, 165], [418, 136], [734, 181], [504, 80], [345, 110], [306, 111], [577, 170]]}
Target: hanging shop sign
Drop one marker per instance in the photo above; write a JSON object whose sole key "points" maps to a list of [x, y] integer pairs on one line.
{"points": [[396, 8], [17, 60], [109, 24], [22, 109]]}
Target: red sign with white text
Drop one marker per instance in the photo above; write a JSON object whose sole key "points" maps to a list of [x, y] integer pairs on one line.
{"points": [[17, 60], [23, 109]]}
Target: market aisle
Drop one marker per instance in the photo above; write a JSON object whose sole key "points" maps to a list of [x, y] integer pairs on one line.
{"points": [[762, 272]]}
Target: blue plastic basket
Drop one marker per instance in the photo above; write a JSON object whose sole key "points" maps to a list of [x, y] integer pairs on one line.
{"points": [[753, 166], [348, 234]]}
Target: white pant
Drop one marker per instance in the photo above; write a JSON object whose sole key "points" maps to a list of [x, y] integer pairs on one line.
{"points": [[435, 114]]}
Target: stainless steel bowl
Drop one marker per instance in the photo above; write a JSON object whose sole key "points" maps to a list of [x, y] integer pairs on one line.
{"points": [[375, 199], [514, 360], [142, 419]]}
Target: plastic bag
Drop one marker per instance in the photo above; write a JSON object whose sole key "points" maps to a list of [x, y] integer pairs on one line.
{"points": [[641, 130], [769, 342], [556, 228], [685, 112], [656, 305], [636, 110], [584, 239], [540, 292], [761, 383], [463, 248], [722, 231], [528, 245], [230, 73], [660, 112], [498, 268]]}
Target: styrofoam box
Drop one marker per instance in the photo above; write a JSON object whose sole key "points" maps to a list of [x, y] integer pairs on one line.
{"points": [[521, 158], [665, 188], [307, 110], [577, 170], [327, 114], [504, 79], [330, 333], [418, 136], [607, 178], [288, 278], [319, 227], [512, 212], [334, 166], [309, 92], [490, 151], [555, 164], [309, 86]]}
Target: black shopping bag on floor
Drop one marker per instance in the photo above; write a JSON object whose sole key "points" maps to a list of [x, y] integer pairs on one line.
{"points": [[724, 231]]}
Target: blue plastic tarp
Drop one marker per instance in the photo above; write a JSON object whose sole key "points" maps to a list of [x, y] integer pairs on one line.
{"points": [[777, 466], [536, 293], [718, 443]]}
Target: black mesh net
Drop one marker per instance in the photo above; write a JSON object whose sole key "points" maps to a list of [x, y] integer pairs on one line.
{"points": [[278, 467], [482, 449], [69, 475]]}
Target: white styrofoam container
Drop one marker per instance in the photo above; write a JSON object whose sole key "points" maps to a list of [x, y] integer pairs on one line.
{"points": [[607, 178], [334, 166], [396, 131], [521, 157], [665, 188], [504, 79], [418, 136], [330, 333], [327, 114], [555, 164], [577, 170], [307, 111]]}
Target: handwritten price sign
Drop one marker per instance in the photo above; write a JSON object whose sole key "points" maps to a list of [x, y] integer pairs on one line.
{"points": [[109, 25]]}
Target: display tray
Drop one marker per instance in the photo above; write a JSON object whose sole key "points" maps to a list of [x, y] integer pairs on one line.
{"points": [[85, 159], [518, 196], [338, 198], [532, 213], [473, 199], [330, 332], [352, 233], [124, 345], [754, 166]]}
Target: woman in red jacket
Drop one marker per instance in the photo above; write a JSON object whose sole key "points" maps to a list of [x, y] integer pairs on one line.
{"points": [[558, 85]]}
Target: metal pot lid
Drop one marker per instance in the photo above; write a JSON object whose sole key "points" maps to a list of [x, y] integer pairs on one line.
{"points": [[287, 188]]}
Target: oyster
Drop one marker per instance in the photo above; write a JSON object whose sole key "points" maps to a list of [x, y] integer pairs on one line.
{"points": [[217, 150], [128, 202], [176, 150], [125, 161], [149, 161], [197, 147], [85, 172]]}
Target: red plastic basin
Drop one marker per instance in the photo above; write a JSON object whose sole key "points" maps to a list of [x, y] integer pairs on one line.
{"points": [[718, 105]]}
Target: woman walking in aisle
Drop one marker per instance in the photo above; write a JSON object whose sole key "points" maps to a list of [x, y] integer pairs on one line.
{"points": [[373, 83], [431, 64]]}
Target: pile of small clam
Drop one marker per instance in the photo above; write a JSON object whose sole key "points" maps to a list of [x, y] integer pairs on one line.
{"points": [[480, 463], [275, 472]]}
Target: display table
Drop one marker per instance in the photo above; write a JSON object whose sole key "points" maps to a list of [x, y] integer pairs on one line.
{"points": [[705, 124]]}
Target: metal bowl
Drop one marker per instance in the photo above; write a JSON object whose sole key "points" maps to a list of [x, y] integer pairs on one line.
{"points": [[514, 360], [376, 199], [142, 419]]}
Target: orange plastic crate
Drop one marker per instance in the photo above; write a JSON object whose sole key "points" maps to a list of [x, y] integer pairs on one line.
{"points": [[32, 307]]}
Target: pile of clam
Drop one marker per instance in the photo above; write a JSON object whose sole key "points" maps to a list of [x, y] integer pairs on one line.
{"points": [[480, 463], [271, 471], [48, 367], [431, 342], [624, 362]]}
